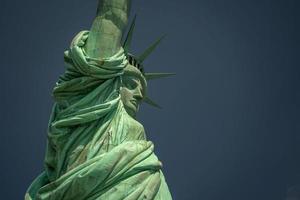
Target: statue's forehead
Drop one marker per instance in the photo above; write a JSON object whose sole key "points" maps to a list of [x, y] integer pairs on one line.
{"points": [[134, 74], [131, 70]]}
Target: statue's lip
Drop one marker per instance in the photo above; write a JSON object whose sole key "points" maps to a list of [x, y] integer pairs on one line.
{"points": [[134, 102]]}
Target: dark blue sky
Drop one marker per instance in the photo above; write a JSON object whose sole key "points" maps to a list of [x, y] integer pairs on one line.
{"points": [[230, 125]]}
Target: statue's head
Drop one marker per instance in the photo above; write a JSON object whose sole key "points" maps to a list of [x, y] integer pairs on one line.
{"points": [[133, 89], [134, 80]]}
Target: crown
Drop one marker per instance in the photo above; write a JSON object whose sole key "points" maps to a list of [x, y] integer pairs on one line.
{"points": [[132, 60], [138, 61]]}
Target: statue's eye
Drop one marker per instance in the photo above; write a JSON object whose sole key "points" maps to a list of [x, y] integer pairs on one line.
{"points": [[130, 83]]}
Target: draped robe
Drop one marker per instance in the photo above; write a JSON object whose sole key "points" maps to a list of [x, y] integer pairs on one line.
{"points": [[95, 150]]}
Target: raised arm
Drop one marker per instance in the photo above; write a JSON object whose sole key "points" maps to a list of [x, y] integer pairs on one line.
{"points": [[106, 32]]}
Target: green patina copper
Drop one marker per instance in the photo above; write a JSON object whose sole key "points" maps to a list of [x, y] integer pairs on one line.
{"points": [[96, 148]]}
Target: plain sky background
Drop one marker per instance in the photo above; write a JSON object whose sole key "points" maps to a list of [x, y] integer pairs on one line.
{"points": [[230, 125]]}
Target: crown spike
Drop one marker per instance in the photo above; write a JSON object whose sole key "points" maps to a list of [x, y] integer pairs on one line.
{"points": [[149, 50], [151, 76], [127, 42], [151, 102]]}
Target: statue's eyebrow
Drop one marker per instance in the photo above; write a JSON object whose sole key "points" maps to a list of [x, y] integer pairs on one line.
{"points": [[135, 78], [138, 80]]}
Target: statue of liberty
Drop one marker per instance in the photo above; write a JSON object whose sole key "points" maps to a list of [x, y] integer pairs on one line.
{"points": [[96, 149]]}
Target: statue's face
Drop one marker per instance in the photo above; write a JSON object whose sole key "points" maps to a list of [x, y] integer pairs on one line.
{"points": [[132, 94]]}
